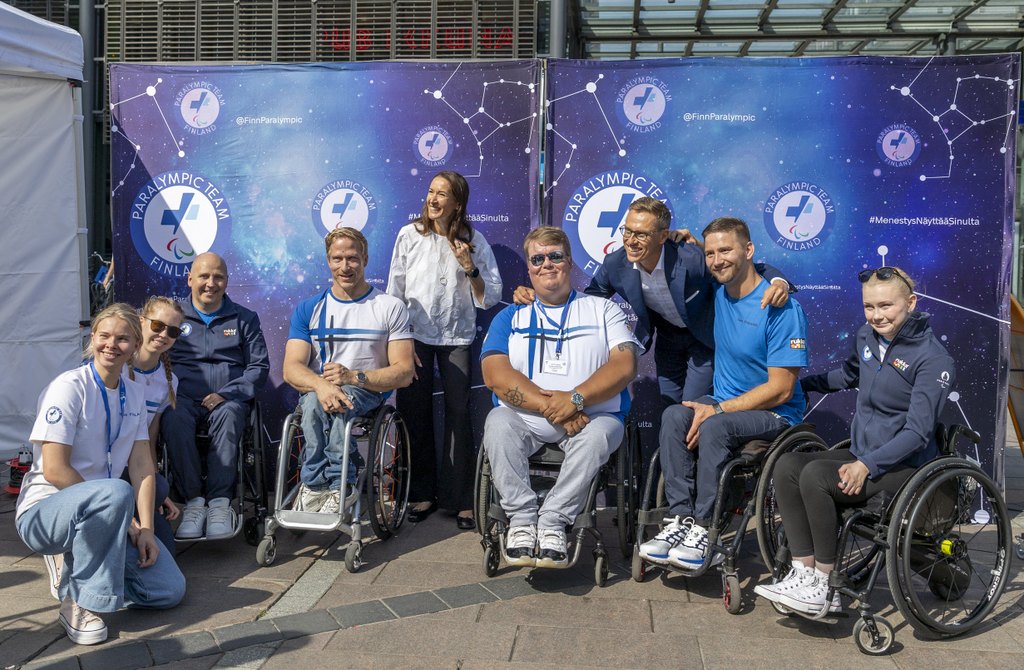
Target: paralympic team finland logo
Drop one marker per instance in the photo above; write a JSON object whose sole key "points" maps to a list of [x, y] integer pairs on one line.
{"points": [[434, 146], [799, 215], [898, 145], [175, 217], [199, 104], [343, 203], [643, 101], [597, 209]]}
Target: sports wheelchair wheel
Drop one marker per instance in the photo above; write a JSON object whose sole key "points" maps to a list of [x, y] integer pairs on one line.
{"points": [[627, 488], [949, 535], [388, 479], [770, 534], [481, 492]]}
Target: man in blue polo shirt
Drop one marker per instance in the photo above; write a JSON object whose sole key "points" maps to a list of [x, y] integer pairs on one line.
{"points": [[221, 362], [758, 356]]}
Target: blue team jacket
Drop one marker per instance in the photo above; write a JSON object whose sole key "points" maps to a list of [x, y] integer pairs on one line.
{"points": [[899, 400]]}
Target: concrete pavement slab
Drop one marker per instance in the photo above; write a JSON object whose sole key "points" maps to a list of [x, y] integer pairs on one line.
{"points": [[117, 657], [305, 624], [758, 623], [201, 663], [468, 594], [570, 611], [170, 649], [246, 634], [914, 658], [606, 648], [415, 603], [344, 594], [728, 652], [359, 614], [427, 635]]}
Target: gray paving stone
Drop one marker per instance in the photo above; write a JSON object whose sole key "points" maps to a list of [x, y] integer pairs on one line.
{"points": [[507, 588], [415, 603], [618, 649], [247, 658], [307, 623], [358, 614], [23, 645], [461, 596], [189, 645], [246, 634], [201, 663], [127, 656], [430, 634], [70, 663]]}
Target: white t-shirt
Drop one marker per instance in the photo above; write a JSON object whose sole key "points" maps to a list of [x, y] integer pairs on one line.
{"points": [[71, 411], [155, 383], [426, 276], [354, 333], [529, 336]]}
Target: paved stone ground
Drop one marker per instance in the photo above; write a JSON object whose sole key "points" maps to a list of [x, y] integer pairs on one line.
{"points": [[422, 601]]}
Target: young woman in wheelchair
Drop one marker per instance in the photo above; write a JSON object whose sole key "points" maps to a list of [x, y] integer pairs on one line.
{"points": [[902, 374]]}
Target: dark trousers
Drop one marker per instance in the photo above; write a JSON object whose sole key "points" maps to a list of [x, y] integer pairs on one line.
{"points": [[807, 488], [452, 485], [691, 477], [226, 424], [684, 365]]}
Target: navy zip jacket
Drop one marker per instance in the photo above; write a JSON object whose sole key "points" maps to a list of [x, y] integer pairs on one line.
{"points": [[899, 400], [228, 357]]}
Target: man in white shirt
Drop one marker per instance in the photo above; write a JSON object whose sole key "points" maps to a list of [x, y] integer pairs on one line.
{"points": [[559, 369], [347, 349]]}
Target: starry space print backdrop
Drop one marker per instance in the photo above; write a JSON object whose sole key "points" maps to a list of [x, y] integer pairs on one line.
{"points": [[259, 162], [837, 165]]}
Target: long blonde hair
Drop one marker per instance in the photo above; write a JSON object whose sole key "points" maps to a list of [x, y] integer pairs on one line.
{"points": [[165, 358]]}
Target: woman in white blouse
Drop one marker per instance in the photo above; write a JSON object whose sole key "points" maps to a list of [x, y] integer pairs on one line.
{"points": [[443, 271]]}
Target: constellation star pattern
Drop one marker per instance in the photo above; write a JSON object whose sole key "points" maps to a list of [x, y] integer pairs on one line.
{"points": [[150, 92], [590, 88], [481, 111], [953, 108]]}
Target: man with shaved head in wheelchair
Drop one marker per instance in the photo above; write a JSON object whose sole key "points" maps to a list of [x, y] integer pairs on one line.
{"points": [[559, 369]]}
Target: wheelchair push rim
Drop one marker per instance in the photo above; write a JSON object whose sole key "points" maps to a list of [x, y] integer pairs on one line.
{"points": [[388, 480]]}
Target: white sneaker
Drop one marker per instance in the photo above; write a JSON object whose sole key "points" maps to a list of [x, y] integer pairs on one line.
{"points": [[193, 520], [520, 545], [309, 500], [83, 626], [798, 577], [690, 554], [811, 597], [553, 553], [220, 520], [54, 564], [672, 535]]}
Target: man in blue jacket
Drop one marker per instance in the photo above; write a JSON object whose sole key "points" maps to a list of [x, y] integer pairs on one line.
{"points": [[221, 362]]}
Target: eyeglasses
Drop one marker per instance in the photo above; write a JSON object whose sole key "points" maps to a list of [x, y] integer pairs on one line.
{"points": [[884, 273], [556, 257], [159, 326], [640, 235]]}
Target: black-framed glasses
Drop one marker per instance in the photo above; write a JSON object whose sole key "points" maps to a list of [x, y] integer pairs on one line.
{"points": [[556, 257], [639, 235], [173, 332], [884, 273]]}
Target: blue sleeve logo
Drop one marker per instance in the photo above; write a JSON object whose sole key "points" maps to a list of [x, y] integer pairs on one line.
{"points": [[53, 415]]}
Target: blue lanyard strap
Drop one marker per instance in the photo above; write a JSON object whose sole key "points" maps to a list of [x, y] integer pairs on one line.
{"points": [[122, 397], [561, 325]]}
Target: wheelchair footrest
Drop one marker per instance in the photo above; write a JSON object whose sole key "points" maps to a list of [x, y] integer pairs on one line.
{"points": [[296, 520]]}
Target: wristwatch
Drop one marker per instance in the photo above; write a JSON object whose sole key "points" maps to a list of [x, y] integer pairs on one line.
{"points": [[718, 408], [474, 273], [361, 379], [577, 399]]}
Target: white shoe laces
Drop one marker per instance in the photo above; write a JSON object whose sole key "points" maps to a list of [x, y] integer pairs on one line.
{"points": [[552, 539], [676, 531], [521, 536]]}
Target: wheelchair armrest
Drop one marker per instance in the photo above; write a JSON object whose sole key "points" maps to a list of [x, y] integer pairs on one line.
{"points": [[953, 435]]}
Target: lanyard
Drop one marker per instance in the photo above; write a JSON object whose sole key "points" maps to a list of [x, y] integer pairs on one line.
{"points": [[561, 325], [121, 396]]}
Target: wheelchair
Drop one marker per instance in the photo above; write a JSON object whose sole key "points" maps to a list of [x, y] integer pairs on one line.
{"points": [[737, 484], [943, 539], [250, 481], [620, 474], [384, 478]]}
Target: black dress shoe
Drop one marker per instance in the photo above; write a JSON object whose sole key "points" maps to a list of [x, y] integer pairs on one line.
{"points": [[417, 515], [465, 523]]}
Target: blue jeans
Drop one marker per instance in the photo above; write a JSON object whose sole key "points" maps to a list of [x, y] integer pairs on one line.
{"points": [[324, 433], [88, 523]]}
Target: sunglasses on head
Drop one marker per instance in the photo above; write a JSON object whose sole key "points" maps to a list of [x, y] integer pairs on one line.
{"points": [[556, 257], [159, 326], [884, 273]]}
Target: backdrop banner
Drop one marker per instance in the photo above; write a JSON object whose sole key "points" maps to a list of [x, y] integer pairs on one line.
{"points": [[837, 165], [257, 163]]}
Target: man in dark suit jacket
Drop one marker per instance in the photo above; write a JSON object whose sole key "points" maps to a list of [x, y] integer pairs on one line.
{"points": [[671, 291]]}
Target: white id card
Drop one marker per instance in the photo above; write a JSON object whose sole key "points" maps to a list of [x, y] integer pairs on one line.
{"points": [[556, 366]]}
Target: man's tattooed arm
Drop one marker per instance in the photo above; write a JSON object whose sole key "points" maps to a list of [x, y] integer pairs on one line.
{"points": [[514, 397], [628, 346]]}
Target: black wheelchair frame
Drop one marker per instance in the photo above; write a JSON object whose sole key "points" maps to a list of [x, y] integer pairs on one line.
{"points": [[734, 496], [945, 558], [250, 480], [619, 473], [383, 478]]}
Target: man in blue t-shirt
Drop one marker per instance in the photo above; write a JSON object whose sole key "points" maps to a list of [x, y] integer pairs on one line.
{"points": [[758, 356], [348, 348]]}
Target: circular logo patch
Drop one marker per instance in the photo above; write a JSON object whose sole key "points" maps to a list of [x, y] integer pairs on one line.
{"points": [[799, 215], [53, 415], [898, 145], [343, 203]]}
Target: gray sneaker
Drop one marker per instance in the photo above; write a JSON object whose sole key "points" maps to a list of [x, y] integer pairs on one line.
{"points": [[553, 553]]}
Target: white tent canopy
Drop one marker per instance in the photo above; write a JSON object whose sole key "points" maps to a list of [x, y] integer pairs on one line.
{"points": [[42, 215]]}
